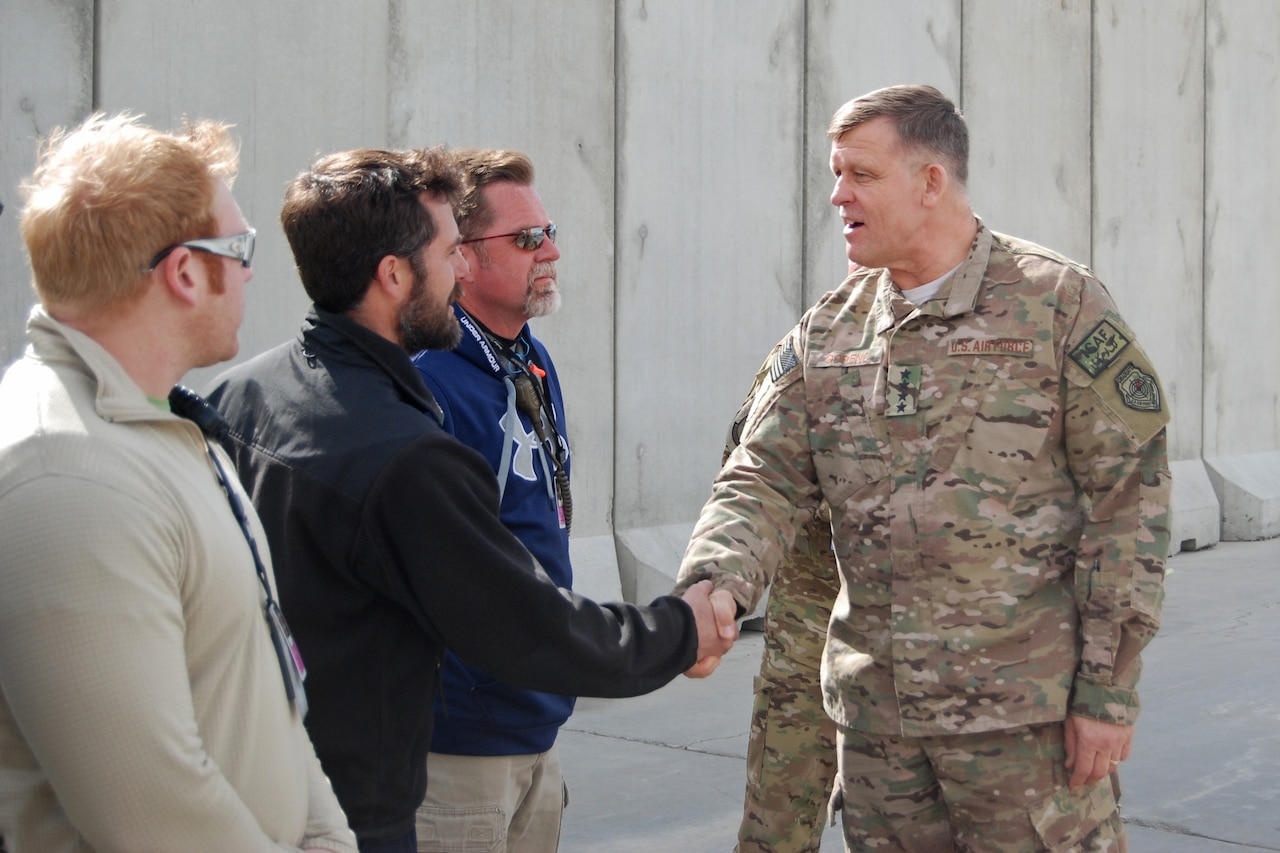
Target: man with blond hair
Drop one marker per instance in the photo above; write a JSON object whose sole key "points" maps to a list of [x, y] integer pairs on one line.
{"points": [[149, 694]]}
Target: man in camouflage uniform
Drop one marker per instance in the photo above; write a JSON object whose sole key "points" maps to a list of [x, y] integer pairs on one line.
{"points": [[990, 439], [791, 753]]}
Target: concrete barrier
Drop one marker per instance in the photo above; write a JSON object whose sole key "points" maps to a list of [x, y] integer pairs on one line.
{"points": [[681, 149]]}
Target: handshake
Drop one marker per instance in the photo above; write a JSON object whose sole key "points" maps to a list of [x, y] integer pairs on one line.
{"points": [[715, 613]]}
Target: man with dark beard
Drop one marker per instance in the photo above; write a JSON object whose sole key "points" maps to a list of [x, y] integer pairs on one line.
{"points": [[493, 755], [384, 528]]}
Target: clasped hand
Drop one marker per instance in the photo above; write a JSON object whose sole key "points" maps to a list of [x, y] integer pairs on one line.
{"points": [[717, 627]]}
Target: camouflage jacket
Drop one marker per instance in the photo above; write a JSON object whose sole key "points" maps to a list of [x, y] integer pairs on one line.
{"points": [[996, 469]]}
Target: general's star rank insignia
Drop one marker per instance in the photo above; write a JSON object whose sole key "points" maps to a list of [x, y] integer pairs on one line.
{"points": [[904, 391], [1138, 389]]}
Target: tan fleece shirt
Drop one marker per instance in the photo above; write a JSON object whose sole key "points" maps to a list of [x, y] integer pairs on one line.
{"points": [[141, 703]]}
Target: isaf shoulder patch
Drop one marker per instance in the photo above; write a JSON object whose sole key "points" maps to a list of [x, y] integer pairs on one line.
{"points": [[1138, 389], [1099, 349]]}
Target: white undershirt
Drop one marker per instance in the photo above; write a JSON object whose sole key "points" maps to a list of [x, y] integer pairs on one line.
{"points": [[922, 294]]}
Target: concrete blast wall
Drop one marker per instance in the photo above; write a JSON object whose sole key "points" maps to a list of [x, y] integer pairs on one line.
{"points": [[681, 149]]}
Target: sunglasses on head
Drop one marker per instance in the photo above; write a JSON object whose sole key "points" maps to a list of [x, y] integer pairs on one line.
{"points": [[528, 239], [238, 246]]}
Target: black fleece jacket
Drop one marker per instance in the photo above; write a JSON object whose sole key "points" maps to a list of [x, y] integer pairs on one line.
{"points": [[387, 546]]}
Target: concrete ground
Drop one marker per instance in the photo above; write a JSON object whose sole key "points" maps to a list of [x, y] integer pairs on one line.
{"points": [[664, 772]]}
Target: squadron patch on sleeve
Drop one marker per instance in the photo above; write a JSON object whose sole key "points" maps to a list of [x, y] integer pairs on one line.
{"points": [[784, 361], [1138, 389], [1099, 349]]}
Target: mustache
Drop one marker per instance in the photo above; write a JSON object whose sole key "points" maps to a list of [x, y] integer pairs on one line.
{"points": [[546, 268]]}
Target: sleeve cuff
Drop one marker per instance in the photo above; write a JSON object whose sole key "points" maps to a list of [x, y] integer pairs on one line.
{"points": [[1118, 705]]}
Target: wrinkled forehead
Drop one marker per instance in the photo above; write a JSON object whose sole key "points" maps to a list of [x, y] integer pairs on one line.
{"points": [[873, 140]]}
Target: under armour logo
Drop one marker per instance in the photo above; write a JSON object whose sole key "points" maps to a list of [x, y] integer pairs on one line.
{"points": [[526, 444]]}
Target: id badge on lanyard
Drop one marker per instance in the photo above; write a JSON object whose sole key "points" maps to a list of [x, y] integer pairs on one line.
{"points": [[290, 658], [187, 404]]}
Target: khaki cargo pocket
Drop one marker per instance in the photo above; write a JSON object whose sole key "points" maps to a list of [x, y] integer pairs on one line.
{"points": [[481, 829]]}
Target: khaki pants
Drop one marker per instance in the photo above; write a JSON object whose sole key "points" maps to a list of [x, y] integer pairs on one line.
{"points": [[492, 804]]}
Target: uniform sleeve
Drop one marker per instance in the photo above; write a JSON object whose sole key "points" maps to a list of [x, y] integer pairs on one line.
{"points": [[766, 490], [432, 518], [1114, 425], [93, 670]]}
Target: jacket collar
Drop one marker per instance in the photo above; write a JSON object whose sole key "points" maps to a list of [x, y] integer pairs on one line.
{"points": [[324, 329]]}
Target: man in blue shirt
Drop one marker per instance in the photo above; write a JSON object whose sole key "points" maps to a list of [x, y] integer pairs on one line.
{"points": [[493, 758]]}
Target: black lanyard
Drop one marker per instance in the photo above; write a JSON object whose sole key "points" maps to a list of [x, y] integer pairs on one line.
{"points": [[187, 404], [238, 511], [533, 398], [518, 355]]}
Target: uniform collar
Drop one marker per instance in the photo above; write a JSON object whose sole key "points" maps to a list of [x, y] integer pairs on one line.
{"points": [[117, 397], [957, 296], [966, 283]]}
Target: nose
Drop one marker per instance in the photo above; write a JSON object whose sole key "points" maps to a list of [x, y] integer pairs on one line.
{"points": [[548, 252], [840, 193], [461, 267]]}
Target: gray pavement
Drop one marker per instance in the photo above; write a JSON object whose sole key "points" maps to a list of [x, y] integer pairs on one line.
{"points": [[664, 772]]}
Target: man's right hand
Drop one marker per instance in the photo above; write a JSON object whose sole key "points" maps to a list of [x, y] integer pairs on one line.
{"points": [[717, 627]]}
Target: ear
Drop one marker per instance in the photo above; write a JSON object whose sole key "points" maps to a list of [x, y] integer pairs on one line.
{"points": [[180, 275], [388, 289], [393, 277], [936, 182], [476, 255]]}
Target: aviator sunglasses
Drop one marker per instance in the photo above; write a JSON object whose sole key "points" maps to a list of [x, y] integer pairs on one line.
{"points": [[238, 246], [528, 239]]}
